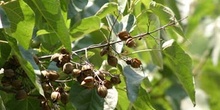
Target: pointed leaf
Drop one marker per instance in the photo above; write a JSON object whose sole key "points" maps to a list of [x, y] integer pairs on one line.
{"points": [[133, 80], [106, 9], [85, 26], [50, 13], [181, 64], [85, 99], [166, 16]]}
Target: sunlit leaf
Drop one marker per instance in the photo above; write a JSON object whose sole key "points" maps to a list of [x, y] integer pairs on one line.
{"points": [[181, 64], [85, 99], [85, 26], [106, 9], [111, 99]]}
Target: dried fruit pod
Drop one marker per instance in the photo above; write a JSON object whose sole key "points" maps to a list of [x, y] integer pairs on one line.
{"points": [[21, 94], [115, 79], [16, 83], [9, 73], [5, 81], [87, 70], [104, 51], [112, 60], [102, 91], [64, 51], [100, 75], [88, 82], [55, 57], [68, 68], [55, 96], [124, 35], [134, 62], [130, 42], [50, 74], [46, 86], [76, 72], [108, 84], [64, 97]]}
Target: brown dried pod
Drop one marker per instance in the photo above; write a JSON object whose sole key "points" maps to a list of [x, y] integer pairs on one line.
{"points": [[87, 70], [100, 75], [76, 72], [108, 84], [135, 63], [88, 82], [46, 86], [68, 68], [115, 79], [112, 60], [102, 91], [64, 51], [64, 58], [44, 105], [50, 74], [16, 83], [124, 35], [5, 81], [104, 50], [9, 73], [21, 94], [64, 98], [55, 57], [130, 42], [55, 96]]}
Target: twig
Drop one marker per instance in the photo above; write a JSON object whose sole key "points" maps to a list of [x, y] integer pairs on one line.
{"points": [[114, 42]]}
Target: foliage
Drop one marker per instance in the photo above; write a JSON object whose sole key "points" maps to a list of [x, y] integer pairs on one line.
{"points": [[120, 54]]}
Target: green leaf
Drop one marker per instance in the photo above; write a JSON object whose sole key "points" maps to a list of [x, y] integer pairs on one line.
{"points": [[85, 99], [122, 5], [27, 62], [181, 64], [4, 21], [133, 80], [26, 104], [5, 49], [50, 13], [166, 16], [2, 106], [106, 9], [143, 101], [85, 26]]}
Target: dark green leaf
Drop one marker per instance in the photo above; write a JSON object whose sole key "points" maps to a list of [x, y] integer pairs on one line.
{"points": [[5, 49], [143, 101], [75, 6], [166, 16], [27, 62], [85, 26], [133, 80], [85, 99], [4, 21], [49, 13], [106, 9], [181, 64]]}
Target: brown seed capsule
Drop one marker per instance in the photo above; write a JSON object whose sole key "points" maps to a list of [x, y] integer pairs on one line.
{"points": [[55, 57], [68, 68], [112, 60], [102, 91], [55, 96], [88, 82], [50, 74], [108, 84], [9, 73], [76, 72], [64, 97], [124, 35], [104, 51], [21, 94], [87, 70], [115, 79], [45, 86], [16, 83], [130, 42], [134, 62], [64, 58], [100, 75], [5, 81], [64, 51]]}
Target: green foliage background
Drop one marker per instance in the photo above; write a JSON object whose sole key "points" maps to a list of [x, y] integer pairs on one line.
{"points": [[177, 61]]}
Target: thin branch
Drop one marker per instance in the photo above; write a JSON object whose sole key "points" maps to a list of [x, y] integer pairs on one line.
{"points": [[114, 42]]}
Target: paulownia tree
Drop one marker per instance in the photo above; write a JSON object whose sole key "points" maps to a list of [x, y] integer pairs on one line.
{"points": [[91, 55]]}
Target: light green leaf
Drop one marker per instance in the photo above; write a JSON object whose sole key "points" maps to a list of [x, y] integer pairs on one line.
{"points": [[27, 62], [143, 101], [106, 9], [181, 64], [50, 13], [166, 16], [2, 105], [85, 26], [85, 99], [42, 32]]}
